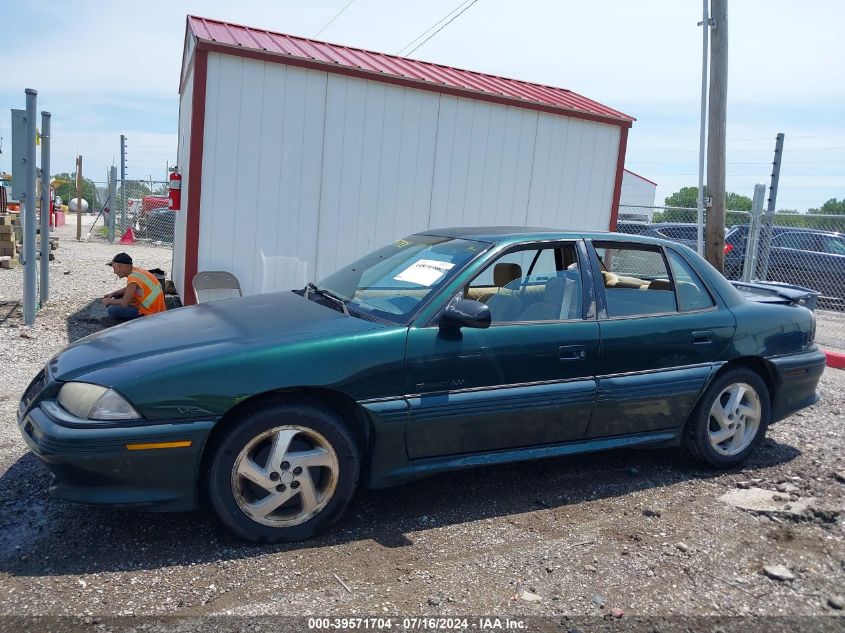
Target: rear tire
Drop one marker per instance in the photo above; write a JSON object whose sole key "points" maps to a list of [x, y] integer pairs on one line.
{"points": [[730, 420], [283, 472]]}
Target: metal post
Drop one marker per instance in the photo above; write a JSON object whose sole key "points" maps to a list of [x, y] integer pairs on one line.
{"points": [[768, 220], [28, 214], [705, 23], [752, 240], [45, 207], [79, 198], [112, 200], [122, 182]]}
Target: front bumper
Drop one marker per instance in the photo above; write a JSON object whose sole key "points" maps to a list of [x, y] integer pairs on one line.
{"points": [[94, 465], [796, 378]]}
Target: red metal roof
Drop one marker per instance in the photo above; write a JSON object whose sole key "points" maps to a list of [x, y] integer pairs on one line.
{"points": [[639, 176], [381, 66]]}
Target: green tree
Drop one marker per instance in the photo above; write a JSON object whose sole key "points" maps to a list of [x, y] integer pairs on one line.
{"points": [[831, 207], [134, 189], [687, 198], [737, 202], [68, 190]]}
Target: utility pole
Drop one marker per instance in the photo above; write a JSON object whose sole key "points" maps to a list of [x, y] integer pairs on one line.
{"points": [[78, 198], [714, 246]]}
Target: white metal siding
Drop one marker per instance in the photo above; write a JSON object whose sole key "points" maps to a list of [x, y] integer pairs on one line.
{"points": [[297, 158], [183, 152], [637, 191]]}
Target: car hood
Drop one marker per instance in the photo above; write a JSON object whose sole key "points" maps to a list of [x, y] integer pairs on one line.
{"points": [[234, 324]]}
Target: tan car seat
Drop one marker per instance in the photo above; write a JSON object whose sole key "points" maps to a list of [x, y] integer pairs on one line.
{"points": [[505, 273], [504, 307]]}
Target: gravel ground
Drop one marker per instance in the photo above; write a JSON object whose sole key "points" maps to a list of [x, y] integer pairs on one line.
{"points": [[641, 531]]}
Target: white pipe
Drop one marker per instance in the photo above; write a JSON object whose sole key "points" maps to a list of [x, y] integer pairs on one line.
{"points": [[705, 24]]}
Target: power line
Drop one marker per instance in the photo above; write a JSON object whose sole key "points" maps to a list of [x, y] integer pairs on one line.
{"points": [[336, 16], [454, 17], [432, 27]]}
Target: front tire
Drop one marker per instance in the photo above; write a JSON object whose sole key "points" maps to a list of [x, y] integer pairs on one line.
{"points": [[730, 420], [283, 472]]}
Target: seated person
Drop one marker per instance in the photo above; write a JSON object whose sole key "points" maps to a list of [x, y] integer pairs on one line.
{"points": [[142, 295]]}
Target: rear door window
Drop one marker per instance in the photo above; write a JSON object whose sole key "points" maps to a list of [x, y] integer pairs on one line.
{"points": [[636, 279], [692, 293], [833, 245], [797, 241]]}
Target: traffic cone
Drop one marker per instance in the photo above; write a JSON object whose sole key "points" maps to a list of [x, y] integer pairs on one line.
{"points": [[128, 237]]}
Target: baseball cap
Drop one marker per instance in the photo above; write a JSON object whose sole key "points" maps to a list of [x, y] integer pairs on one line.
{"points": [[120, 258]]}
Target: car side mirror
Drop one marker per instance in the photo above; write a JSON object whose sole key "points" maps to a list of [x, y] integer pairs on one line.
{"points": [[465, 313]]}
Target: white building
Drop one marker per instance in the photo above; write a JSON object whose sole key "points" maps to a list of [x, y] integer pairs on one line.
{"points": [[637, 190], [298, 156]]}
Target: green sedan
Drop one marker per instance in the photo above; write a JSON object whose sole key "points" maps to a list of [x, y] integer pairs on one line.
{"points": [[447, 349]]}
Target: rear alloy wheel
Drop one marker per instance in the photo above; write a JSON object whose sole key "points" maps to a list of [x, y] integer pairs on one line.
{"points": [[283, 472], [730, 420], [734, 419]]}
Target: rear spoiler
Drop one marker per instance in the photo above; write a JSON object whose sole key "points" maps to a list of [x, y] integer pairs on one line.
{"points": [[775, 292]]}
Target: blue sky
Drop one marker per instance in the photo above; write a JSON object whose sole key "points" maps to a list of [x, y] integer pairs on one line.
{"points": [[644, 58]]}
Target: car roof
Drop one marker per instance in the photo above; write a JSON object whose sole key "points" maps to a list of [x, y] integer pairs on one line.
{"points": [[801, 229], [517, 234]]}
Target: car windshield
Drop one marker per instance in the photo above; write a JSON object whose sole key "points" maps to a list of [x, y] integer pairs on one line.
{"points": [[392, 282]]}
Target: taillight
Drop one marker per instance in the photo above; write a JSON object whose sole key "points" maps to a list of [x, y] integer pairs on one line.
{"points": [[728, 248]]}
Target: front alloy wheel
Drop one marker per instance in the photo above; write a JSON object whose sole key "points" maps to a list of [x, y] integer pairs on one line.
{"points": [[282, 470], [285, 476]]}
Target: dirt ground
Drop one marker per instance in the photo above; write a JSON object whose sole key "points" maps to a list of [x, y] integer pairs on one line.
{"points": [[640, 531]]}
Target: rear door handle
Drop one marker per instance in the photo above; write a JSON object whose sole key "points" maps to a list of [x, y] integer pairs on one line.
{"points": [[702, 338], [572, 352]]}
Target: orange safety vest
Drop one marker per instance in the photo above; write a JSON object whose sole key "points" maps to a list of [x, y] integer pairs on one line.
{"points": [[149, 299]]}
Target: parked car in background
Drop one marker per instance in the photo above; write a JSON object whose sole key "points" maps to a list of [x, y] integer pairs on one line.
{"points": [[160, 223], [803, 257], [736, 240], [445, 350], [680, 232], [632, 228]]}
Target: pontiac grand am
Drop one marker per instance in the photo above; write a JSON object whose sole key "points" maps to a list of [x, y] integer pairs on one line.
{"points": [[447, 349]]}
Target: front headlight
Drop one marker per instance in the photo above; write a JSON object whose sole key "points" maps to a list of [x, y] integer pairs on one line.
{"points": [[94, 402]]}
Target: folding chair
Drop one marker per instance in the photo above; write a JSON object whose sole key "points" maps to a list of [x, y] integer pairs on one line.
{"points": [[217, 284]]}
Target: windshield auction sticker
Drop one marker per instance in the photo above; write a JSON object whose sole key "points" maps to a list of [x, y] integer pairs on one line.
{"points": [[425, 272]]}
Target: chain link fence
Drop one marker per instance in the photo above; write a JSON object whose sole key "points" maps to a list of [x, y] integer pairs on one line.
{"points": [[678, 224], [139, 212], [792, 248], [141, 205]]}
